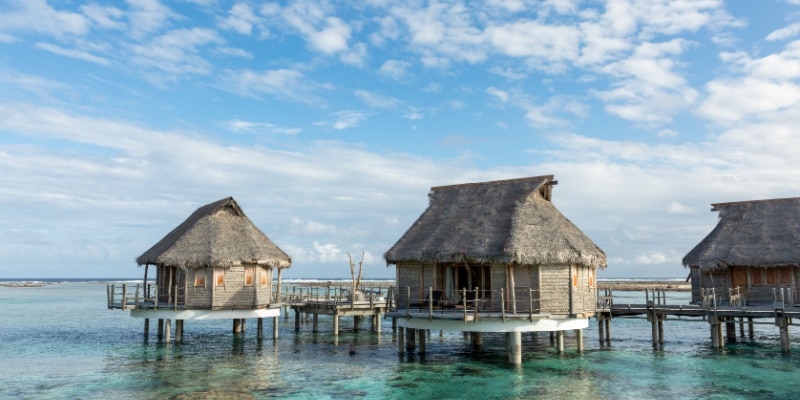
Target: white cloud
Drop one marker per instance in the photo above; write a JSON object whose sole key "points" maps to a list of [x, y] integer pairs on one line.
{"points": [[395, 69], [235, 52], [77, 54], [344, 120], [177, 52], [285, 84], [148, 17], [376, 100], [497, 93], [785, 32], [38, 16], [107, 17], [241, 18], [328, 253]]}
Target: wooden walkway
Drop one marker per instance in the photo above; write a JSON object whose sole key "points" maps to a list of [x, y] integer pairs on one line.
{"points": [[781, 312]]}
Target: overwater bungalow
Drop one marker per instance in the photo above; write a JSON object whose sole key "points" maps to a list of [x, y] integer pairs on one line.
{"points": [[752, 256], [494, 257], [215, 265]]}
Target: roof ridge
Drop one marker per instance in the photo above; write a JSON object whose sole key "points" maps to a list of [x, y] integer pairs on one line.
{"points": [[754, 201], [497, 182]]}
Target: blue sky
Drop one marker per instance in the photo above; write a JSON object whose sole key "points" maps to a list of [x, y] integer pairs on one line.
{"points": [[329, 121]]}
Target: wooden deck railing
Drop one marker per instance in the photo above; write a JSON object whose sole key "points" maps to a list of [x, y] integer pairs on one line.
{"points": [[127, 296], [472, 303]]}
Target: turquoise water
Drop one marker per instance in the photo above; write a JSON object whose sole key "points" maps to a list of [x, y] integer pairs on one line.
{"points": [[59, 341]]}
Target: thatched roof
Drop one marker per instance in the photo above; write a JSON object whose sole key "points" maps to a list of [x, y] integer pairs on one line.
{"points": [[761, 233], [216, 235], [510, 221]]}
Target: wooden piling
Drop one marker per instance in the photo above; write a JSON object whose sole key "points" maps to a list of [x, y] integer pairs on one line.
{"points": [[750, 328], [167, 328], [146, 327], [178, 330], [579, 339], [560, 338], [608, 329], [315, 323], [422, 338], [601, 327], [160, 328], [730, 329], [260, 329], [401, 343], [514, 347], [410, 339], [661, 318], [477, 339], [275, 328], [297, 319], [336, 324]]}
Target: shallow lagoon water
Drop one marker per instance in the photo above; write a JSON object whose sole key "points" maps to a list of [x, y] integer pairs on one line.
{"points": [[59, 341]]}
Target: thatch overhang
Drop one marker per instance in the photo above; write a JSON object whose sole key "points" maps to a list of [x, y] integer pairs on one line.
{"points": [[758, 233], [508, 221], [218, 234]]}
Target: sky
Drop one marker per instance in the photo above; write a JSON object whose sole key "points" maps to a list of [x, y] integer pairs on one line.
{"points": [[330, 121]]}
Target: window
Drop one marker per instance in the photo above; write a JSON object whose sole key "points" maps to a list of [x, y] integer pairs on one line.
{"points": [[459, 277], [263, 276], [200, 277], [220, 277], [248, 276]]}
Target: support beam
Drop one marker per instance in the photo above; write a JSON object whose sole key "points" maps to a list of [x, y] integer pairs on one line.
{"points": [[579, 339], [146, 325], [422, 338], [411, 339], [297, 317], [401, 343], [514, 347], [477, 339], [260, 329], [315, 323], [167, 327], [275, 328], [560, 338], [336, 325], [178, 330]]}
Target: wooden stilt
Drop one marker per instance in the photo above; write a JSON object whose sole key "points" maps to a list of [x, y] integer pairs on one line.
{"points": [[741, 326], [477, 339], [560, 338], [401, 343], [750, 328], [237, 327], [654, 329], [356, 323], [315, 323], [275, 328], [167, 328], [146, 327], [394, 323], [608, 329], [552, 338], [260, 329], [297, 319], [661, 329], [730, 329], [422, 338], [377, 324], [601, 327], [579, 339], [336, 325], [160, 328], [783, 327], [243, 324], [411, 339], [178, 330], [514, 347]]}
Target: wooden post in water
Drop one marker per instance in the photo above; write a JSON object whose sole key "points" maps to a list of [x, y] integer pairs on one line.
{"points": [[741, 326], [579, 339], [601, 327], [514, 347], [178, 330], [237, 326], [552, 338], [750, 328], [783, 326], [401, 343], [260, 329], [730, 329], [167, 327], [608, 329], [275, 328], [422, 338], [160, 328], [243, 325], [477, 339], [411, 339], [315, 323], [560, 338], [146, 327], [661, 318], [336, 324], [297, 317], [356, 323]]}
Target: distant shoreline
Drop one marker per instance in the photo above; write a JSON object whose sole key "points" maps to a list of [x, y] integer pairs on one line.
{"points": [[630, 286]]}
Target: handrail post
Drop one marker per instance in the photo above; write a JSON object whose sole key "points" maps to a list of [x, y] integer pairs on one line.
{"points": [[430, 303], [464, 301], [408, 301], [136, 297], [530, 304], [124, 295], [503, 304], [476, 304]]}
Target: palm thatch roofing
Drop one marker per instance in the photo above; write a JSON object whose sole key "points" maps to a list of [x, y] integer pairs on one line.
{"points": [[218, 234], [508, 221], [759, 233]]}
